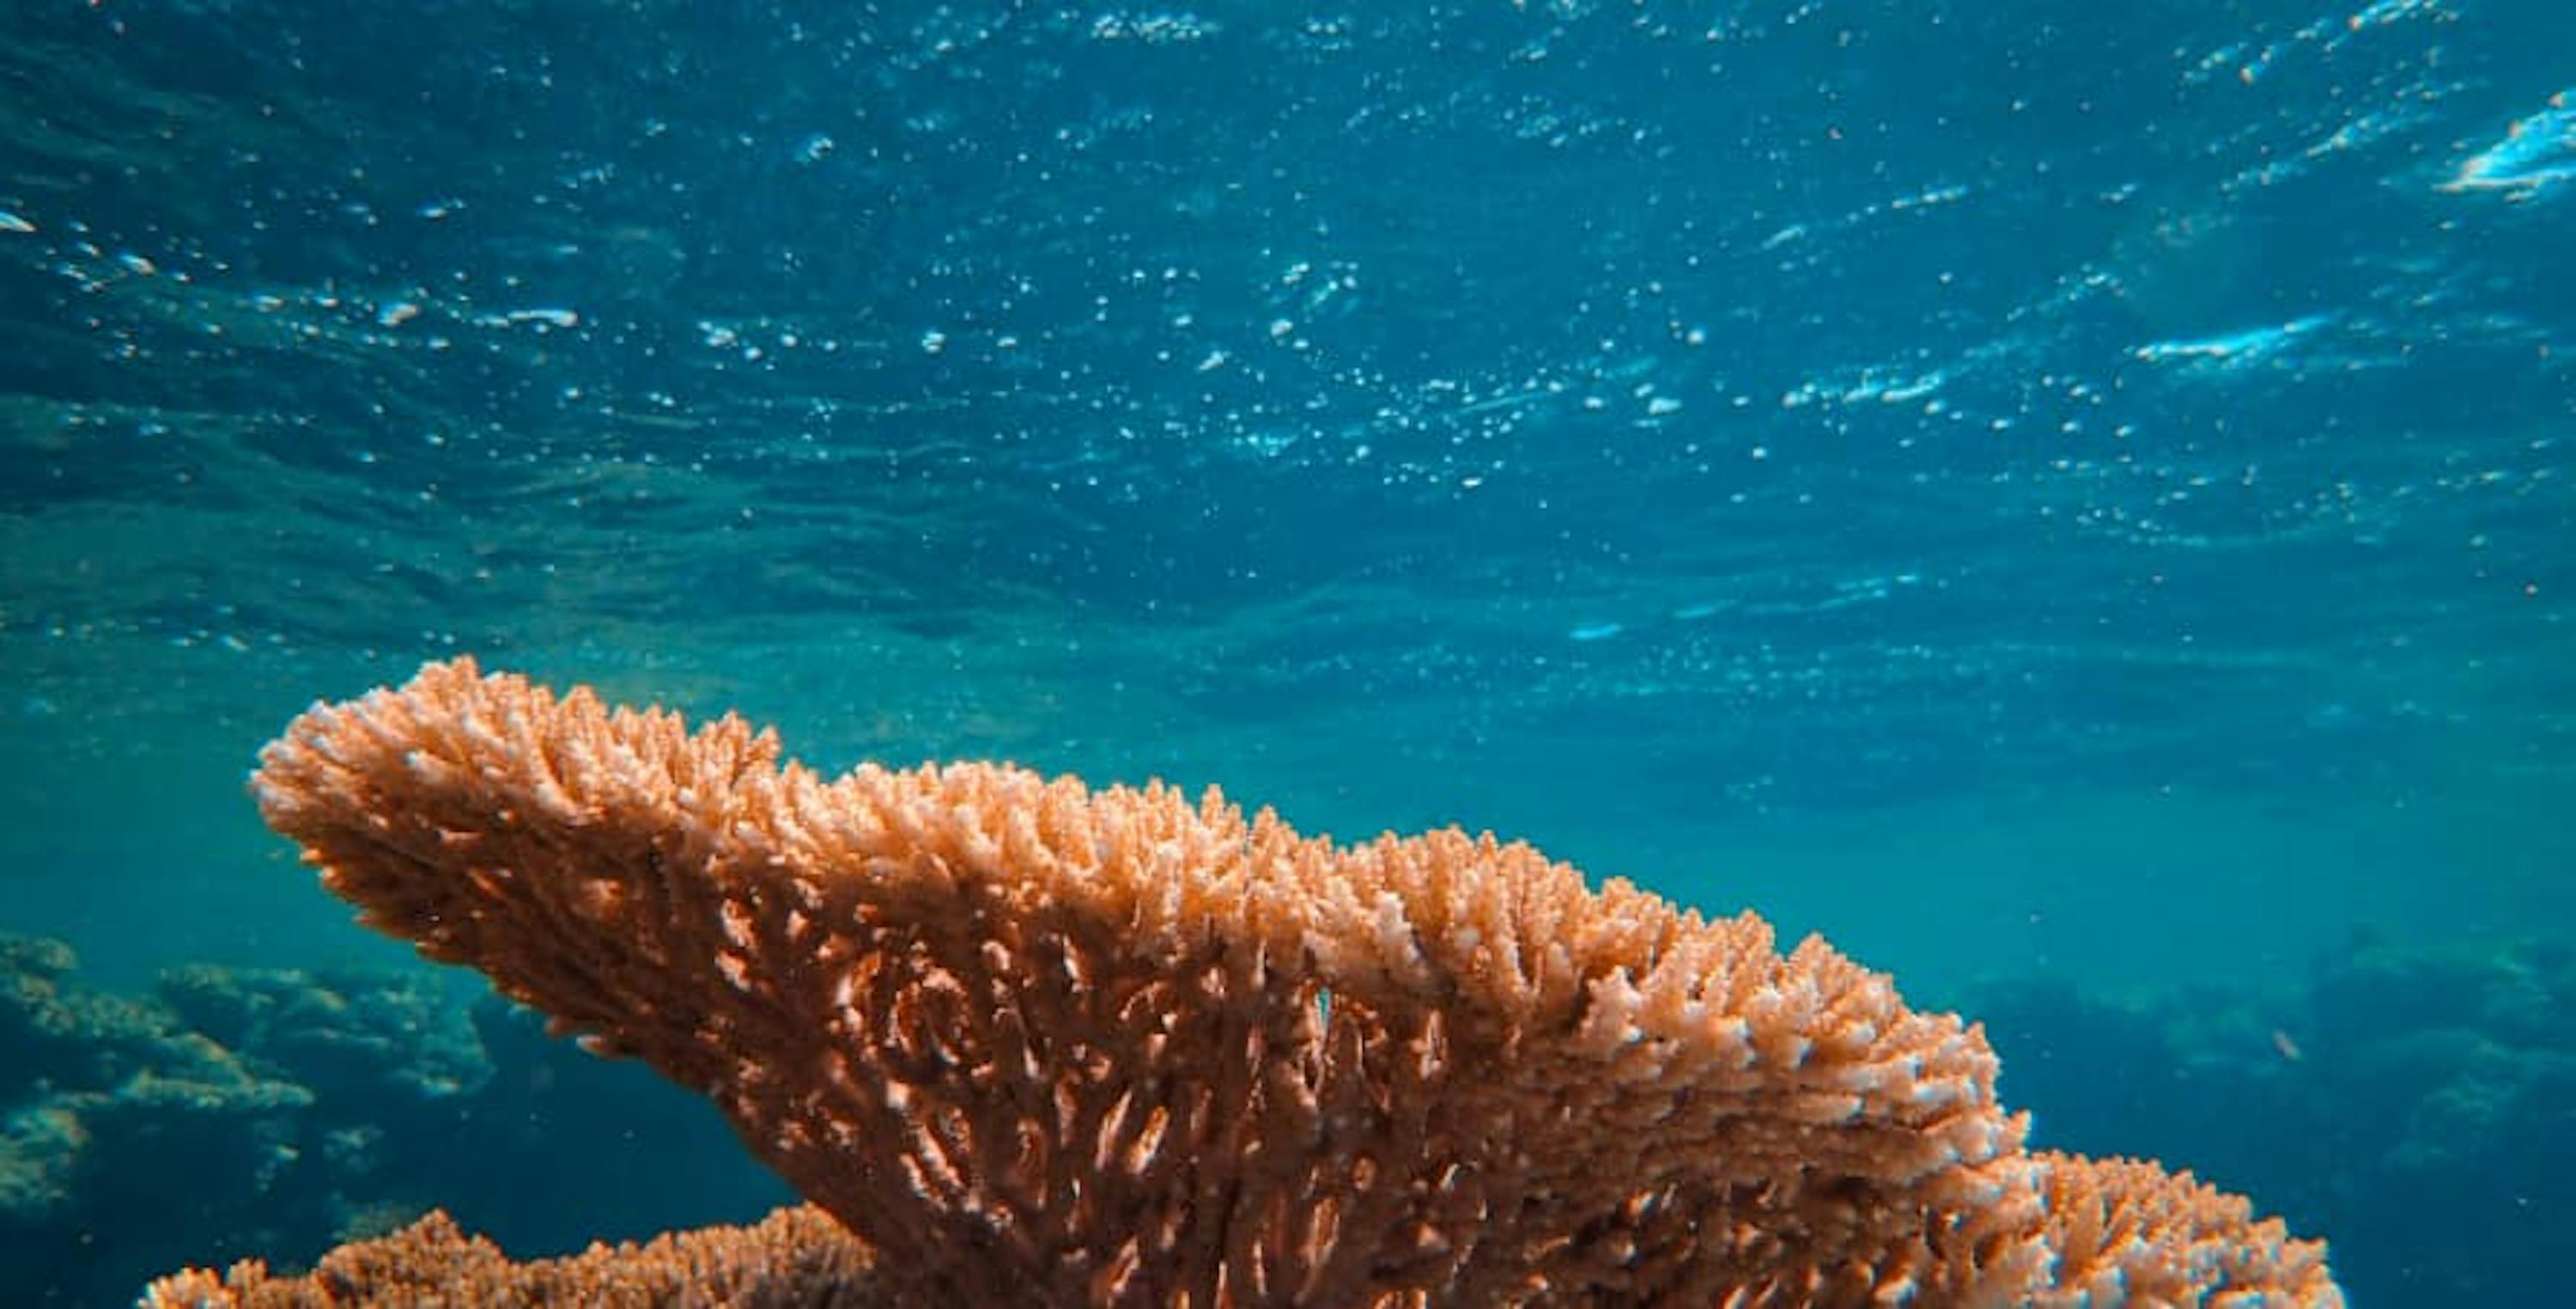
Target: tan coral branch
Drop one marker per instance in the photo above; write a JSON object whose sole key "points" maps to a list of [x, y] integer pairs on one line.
{"points": [[1065, 1046], [797, 1258]]}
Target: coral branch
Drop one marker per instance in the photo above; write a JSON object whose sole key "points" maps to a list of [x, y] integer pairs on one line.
{"points": [[794, 1259]]}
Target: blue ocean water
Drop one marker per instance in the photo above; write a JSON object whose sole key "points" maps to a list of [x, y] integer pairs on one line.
{"points": [[2071, 502]]}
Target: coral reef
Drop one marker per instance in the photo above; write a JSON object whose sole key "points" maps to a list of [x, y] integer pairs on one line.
{"points": [[310, 1108], [2434, 1093], [105, 1098]]}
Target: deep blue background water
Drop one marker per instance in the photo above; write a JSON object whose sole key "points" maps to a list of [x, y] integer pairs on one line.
{"points": [[2022, 489]]}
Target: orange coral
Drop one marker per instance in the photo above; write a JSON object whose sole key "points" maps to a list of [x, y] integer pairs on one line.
{"points": [[1066, 1046], [2126, 1231], [796, 1258]]}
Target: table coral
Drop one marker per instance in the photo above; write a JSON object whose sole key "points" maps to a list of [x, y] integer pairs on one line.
{"points": [[1050, 1044]]}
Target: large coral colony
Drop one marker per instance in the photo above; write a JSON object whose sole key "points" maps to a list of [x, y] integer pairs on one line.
{"points": [[1018, 1041]]}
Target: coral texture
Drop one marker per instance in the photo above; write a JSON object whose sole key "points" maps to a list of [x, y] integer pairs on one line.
{"points": [[1047, 1044], [797, 1258]]}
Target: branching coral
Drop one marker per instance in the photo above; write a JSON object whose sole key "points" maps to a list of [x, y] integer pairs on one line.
{"points": [[1045, 1044], [794, 1259]]}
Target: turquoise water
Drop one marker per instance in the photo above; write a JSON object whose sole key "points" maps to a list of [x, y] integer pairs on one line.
{"points": [[2038, 493]]}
